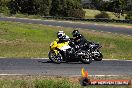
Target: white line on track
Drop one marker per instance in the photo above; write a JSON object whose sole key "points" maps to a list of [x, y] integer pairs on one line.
{"points": [[104, 75], [116, 60], [103, 59], [12, 74]]}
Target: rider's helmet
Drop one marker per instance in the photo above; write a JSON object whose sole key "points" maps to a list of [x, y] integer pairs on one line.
{"points": [[75, 33], [60, 34]]}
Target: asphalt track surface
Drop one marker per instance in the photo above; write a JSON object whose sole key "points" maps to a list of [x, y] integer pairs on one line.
{"points": [[121, 30], [44, 67]]}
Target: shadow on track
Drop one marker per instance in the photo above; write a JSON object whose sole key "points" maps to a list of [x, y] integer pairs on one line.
{"points": [[44, 61], [41, 61]]}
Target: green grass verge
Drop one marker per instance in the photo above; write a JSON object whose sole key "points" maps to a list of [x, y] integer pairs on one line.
{"points": [[35, 84], [32, 41], [47, 82], [28, 16]]}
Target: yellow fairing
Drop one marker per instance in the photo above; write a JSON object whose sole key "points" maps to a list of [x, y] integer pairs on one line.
{"points": [[55, 45]]}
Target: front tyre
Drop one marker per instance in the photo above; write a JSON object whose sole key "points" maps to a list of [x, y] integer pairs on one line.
{"points": [[55, 58], [98, 57]]}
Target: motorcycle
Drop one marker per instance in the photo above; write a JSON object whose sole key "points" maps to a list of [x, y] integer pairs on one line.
{"points": [[93, 48], [64, 52]]}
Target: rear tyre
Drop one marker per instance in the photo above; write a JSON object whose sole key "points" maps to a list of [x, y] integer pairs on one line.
{"points": [[55, 58]]}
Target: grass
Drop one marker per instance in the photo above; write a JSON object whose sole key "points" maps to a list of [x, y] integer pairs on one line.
{"points": [[28, 16], [34, 84], [92, 13], [46, 82], [19, 40]]}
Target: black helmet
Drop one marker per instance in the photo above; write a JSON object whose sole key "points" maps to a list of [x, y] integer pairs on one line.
{"points": [[75, 33]]}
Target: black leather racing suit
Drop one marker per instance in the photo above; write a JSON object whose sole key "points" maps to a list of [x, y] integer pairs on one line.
{"points": [[79, 41]]}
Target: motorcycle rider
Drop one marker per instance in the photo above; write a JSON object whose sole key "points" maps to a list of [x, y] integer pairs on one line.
{"points": [[62, 37], [79, 39]]}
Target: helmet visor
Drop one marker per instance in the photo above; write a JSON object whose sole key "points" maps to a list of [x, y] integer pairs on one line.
{"points": [[59, 36]]}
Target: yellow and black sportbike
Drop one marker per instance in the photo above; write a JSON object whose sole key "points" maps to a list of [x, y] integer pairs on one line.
{"points": [[65, 52]]}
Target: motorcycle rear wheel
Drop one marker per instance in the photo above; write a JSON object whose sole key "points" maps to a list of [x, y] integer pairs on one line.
{"points": [[55, 58], [86, 60]]}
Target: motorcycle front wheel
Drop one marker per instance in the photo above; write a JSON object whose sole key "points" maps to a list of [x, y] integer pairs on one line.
{"points": [[55, 58], [98, 57]]}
